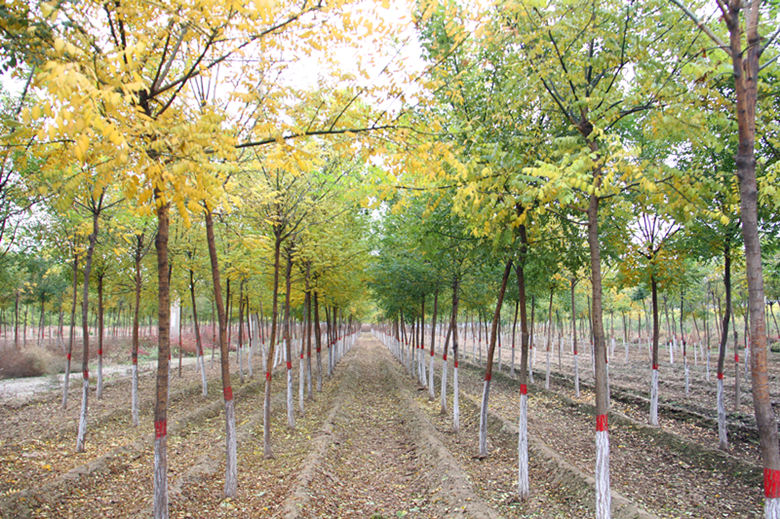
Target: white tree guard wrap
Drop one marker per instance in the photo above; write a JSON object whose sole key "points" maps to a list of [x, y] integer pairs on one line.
{"points": [[444, 369], [723, 440], [160, 472], [431, 380], [99, 391], [654, 397], [483, 415], [231, 466], [455, 400], [301, 383], [203, 382], [134, 395], [772, 508], [603, 496], [82, 434], [687, 375], [576, 377], [290, 403], [547, 371], [65, 384], [523, 487], [671, 353]]}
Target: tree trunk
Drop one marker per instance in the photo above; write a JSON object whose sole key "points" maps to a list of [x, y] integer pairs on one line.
{"points": [[100, 336], [574, 341], [454, 327], [271, 350], [82, 432], [198, 341], [287, 340], [722, 431], [431, 391], [72, 331], [137, 257], [318, 338], [523, 484], [654, 372], [549, 340], [163, 354], [231, 470]]}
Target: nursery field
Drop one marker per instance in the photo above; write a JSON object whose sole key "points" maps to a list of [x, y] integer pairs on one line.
{"points": [[372, 444]]}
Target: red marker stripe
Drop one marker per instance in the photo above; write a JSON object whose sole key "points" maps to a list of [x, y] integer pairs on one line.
{"points": [[431, 354], [444, 357], [601, 422], [319, 350], [301, 356], [655, 366], [736, 357], [100, 352], [228, 392], [68, 356], [160, 429], [720, 376], [456, 363], [268, 376], [523, 389], [289, 365], [488, 376], [771, 483], [86, 373]]}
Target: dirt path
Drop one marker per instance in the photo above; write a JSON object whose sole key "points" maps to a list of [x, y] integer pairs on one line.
{"points": [[381, 457]]}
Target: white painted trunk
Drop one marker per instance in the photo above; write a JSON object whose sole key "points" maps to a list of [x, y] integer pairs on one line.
{"points": [[264, 357], [160, 478], [687, 374], [231, 466], [723, 441], [455, 401], [99, 391], [83, 415], [671, 353], [772, 508], [612, 349], [134, 395], [483, 415], [444, 369], [547, 371], [308, 376], [431, 389], [290, 404], [240, 363], [603, 497], [707, 372], [65, 385], [747, 360], [249, 360], [512, 367], [576, 377], [625, 347], [203, 383], [654, 398], [523, 487], [531, 366], [609, 388], [301, 384], [695, 356]]}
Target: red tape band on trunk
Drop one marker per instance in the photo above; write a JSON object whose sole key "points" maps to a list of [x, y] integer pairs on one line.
{"points": [[86, 373], [488, 377], [456, 363], [523, 389], [100, 352], [720, 376], [655, 366], [319, 350], [289, 365], [68, 356], [431, 354], [268, 376], [444, 357], [601, 422], [228, 392], [771, 483], [301, 356], [736, 357], [160, 429]]}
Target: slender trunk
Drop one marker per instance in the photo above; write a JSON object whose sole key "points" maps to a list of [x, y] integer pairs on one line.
{"points": [[454, 327], [82, 432], [287, 340], [549, 340], [574, 341], [523, 484], [654, 373], [722, 431], [72, 331], [198, 341], [231, 470], [99, 392], [489, 365], [431, 391], [514, 334], [318, 339], [163, 355], [271, 350]]}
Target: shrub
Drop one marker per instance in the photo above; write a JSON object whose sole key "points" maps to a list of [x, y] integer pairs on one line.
{"points": [[29, 362]]}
